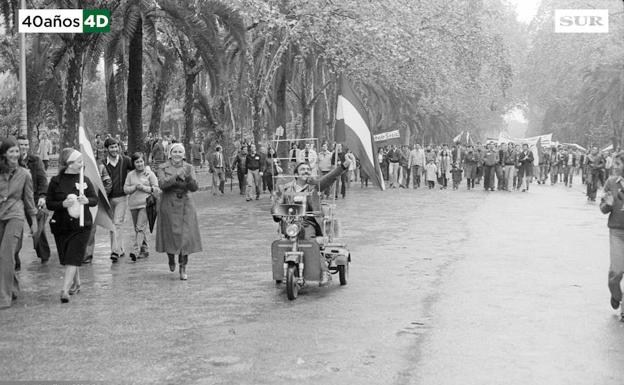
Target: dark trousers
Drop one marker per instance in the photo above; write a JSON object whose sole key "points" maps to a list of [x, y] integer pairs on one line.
{"points": [[342, 182], [268, 181], [42, 248], [242, 181], [416, 176], [488, 177], [595, 177], [406, 176]]}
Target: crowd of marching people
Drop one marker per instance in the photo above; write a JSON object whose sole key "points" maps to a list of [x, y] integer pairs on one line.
{"points": [[504, 166], [157, 184]]}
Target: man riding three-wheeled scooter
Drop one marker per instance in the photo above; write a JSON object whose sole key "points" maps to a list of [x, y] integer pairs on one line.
{"points": [[307, 250]]}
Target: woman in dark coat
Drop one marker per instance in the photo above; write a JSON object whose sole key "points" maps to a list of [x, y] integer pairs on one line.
{"points": [[177, 227], [65, 200]]}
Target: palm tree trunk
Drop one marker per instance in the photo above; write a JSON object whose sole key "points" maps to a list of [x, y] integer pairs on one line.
{"points": [[135, 87], [281, 113], [189, 99], [111, 97], [160, 93], [73, 95]]}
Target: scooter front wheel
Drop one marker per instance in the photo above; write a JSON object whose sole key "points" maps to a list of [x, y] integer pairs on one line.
{"points": [[292, 285]]}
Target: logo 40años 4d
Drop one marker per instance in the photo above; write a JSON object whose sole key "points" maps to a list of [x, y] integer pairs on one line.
{"points": [[64, 20]]}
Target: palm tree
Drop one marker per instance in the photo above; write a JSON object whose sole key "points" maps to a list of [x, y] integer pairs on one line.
{"points": [[201, 44]]}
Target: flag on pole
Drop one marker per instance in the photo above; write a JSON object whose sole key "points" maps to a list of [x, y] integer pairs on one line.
{"points": [[102, 213], [353, 129], [463, 138]]}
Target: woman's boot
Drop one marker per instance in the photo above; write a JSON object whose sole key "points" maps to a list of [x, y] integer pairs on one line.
{"points": [[171, 262], [183, 259]]}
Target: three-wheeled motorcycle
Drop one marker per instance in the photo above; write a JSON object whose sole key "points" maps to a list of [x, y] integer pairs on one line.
{"points": [[296, 258]]}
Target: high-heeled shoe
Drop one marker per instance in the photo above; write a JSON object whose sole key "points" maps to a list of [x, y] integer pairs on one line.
{"points": [[64, 297], [75, 289]]}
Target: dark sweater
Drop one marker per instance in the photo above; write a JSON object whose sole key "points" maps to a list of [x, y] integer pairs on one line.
{"points": [[118, 175]]}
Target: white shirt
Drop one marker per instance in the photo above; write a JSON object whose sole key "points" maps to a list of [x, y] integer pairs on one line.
{"points": [[111, 161]]}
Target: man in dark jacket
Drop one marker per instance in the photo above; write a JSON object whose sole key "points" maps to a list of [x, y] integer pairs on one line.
{"points": [[40, 187], [118, 167], [254, 163], [240, 165], [490, 160]]}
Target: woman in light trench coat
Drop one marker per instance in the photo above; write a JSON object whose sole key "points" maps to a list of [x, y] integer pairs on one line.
{"points": [[177, 229]]}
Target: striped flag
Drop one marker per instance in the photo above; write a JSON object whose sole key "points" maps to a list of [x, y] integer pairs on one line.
{"points": [[353, 129], [102, 213]]}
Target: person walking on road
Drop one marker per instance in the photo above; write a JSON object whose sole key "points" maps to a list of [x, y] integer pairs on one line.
{"points": [[431, 171], [490, 159], [240, 165], [613, 204], [216, 163], [140, 183], [117, 166], [40, 186], [254, 173], [416, 164], [595, 168], [65, 199], [525, 171], [470, 167], [394, 157], [44, 151], [177, 225], [16, 200]]}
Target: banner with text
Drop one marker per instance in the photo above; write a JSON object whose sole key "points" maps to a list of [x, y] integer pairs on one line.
{"points": [[387, 135]]}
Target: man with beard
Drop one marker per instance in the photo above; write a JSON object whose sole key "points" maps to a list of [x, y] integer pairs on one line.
{"points": [[304, 182]]}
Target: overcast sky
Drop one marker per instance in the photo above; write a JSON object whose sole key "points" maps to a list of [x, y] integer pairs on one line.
{"points": [[526, 9]]}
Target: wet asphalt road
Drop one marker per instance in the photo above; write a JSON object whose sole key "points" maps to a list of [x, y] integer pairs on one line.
{"points": [[446, 287]]}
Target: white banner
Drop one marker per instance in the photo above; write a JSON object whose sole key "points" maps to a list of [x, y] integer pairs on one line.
{"points": [[581, 20], [387, 135]]}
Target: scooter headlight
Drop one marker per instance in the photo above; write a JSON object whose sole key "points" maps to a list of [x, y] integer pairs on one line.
{"points": [[292, 230]]}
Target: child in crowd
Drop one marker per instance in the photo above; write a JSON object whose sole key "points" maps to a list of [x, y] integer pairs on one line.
{"points": [[456, 172], [431, 171]]}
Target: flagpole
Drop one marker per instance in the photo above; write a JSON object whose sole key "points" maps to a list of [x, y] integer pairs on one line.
{"points": [[23, 129]]}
